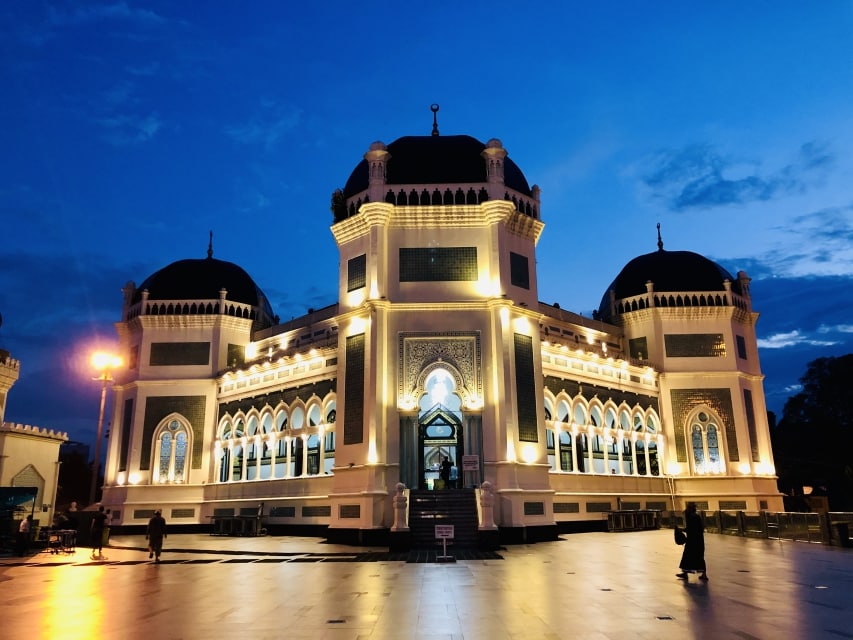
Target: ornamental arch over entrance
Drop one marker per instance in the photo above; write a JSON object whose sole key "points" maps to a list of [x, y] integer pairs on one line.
{"points": [[439, 399]]}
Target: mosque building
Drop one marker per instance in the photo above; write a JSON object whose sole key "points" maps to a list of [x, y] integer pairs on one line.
{"points": [[438, 346]]}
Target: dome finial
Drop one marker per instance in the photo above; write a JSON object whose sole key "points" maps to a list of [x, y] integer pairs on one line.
{"points": [[660, 241], [434, 108], [210, 246]]}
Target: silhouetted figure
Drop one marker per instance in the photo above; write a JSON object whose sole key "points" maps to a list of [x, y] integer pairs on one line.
{"points": [[155, 534], [693, 557], [71, 516], [96, 530], [444, 472], [23, 538], [454, 476]]}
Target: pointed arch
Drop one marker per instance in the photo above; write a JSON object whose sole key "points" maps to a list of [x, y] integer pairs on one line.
{"points": [[173, 439], [705, 441]]}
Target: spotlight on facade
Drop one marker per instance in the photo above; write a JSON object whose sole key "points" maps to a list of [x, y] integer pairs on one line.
{"points": [[673, 469]]}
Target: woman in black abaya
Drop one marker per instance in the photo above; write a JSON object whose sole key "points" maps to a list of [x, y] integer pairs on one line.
{"points": [[693, 557]]}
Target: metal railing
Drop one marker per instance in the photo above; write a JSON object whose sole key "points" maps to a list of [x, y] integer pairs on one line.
{"points": [[832, 528]]}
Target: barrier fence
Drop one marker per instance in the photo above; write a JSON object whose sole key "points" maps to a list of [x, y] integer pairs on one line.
{"points": [[833, 528]]}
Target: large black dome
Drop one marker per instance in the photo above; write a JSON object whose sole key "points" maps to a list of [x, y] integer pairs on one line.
{"points": [[201, 279], [669, 271], [436, 160]]}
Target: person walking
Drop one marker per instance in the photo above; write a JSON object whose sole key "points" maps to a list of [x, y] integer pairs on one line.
{"points": [[24, 534], [693, 556], [155, 534], [96, 531]]}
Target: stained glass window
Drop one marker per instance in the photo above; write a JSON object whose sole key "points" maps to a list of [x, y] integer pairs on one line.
{"points": [[165, 455], [180, 455]]}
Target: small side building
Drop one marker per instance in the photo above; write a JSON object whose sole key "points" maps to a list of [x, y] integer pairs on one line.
{"points": [[29, 455]]}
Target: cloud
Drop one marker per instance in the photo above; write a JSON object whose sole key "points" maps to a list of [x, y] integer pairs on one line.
{"points": [[792, 339], [123, 130], [838, 328], [697, 176], [267, 126], [100, 12], [819, 243]]}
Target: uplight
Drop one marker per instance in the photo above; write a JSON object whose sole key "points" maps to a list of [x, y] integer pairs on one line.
{"points": [[528, 453]]}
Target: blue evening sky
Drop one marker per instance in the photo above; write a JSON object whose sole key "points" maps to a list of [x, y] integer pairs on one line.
{"points": [[129, 129]]}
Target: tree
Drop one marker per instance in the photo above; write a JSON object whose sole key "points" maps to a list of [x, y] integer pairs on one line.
{"points": [[811, 444], [74, 479]]}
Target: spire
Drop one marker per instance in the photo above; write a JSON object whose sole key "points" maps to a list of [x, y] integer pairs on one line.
{"points": [[660, 241], [434, 109], [210, 246]]}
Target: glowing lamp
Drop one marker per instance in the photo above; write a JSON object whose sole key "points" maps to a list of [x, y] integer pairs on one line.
{"points": [[528, 453]]}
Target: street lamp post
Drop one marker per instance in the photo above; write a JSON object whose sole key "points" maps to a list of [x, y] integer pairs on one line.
{"points": [[105, 363]]}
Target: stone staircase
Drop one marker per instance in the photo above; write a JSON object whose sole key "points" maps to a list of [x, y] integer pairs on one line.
{"points": [[444, 506]]}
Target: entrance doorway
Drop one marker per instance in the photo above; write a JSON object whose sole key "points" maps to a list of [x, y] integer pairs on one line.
{"points": [[439, 432], [439, 437]]}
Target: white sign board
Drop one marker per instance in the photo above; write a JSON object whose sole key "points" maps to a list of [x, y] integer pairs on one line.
{"points": [[470, 463], [443, 531]]}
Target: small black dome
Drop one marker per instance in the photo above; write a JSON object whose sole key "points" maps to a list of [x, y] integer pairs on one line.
{"points": [[201, 279], [436, 160], [669, 271]]}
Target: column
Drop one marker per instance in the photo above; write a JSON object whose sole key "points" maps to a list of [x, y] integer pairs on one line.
{"points": [[259, 456], [635, 471], [558, 458], [408, 449], [321, 464], [574, 435], [244, 458], [304, 455], [273, 444], [620, 458], [230, 475], [288, 458], [473, 446], [590, 456]]}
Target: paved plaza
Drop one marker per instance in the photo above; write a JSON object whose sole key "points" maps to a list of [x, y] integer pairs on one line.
{"points": [[599, 586]]}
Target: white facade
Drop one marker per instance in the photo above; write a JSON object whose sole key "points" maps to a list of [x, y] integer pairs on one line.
{"points": [[437, 346]]}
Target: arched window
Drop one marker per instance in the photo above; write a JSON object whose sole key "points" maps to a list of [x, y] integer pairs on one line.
{"points": [[171, 453], [313, 446], [563, 411], [328, 451], [595, 416], [627, 457], [705, 442], [549, 446], [641, 456], [314, 416], [651, 425], [281, 421], [565, 451]]}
